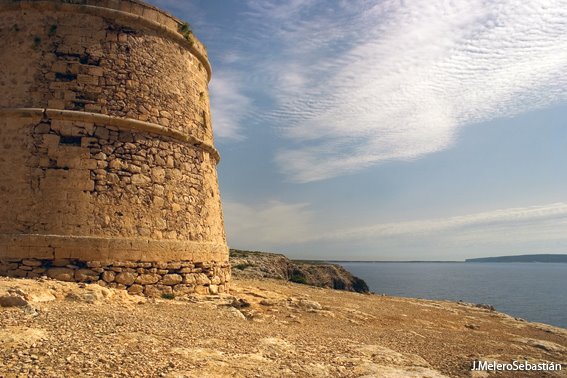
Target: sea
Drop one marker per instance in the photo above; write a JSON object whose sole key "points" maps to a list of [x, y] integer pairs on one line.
{"points": [[532, 291]]}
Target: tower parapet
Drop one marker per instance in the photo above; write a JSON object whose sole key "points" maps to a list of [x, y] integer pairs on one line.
{"points": [[107, 156]]}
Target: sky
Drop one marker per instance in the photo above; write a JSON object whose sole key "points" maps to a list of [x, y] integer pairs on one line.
{"points": [[388, 130]]}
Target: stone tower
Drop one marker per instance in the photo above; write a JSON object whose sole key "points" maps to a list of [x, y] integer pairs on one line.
{"points": [[107, 162]]}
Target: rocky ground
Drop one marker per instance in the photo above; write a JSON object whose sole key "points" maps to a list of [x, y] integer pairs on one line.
{"points": [[263, 328]]}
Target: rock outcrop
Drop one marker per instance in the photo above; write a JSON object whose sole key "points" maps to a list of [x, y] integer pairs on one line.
{"points": [[272, 265]]}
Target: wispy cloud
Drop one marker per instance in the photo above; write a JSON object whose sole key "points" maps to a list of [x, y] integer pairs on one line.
{"points": [[266, 225], [229, 105], [280, 224], [357, 83], [498, 226], [351, 84]]}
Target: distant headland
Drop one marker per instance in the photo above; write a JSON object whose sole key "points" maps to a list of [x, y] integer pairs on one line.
{"points": [[543, 258]]}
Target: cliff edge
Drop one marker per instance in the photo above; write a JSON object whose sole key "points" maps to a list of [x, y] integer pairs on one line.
{"points": [[249, 264]]}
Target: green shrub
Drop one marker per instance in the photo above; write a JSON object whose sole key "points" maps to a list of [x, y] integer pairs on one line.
{"points": [[242, 266], [298, 279], [168, 296], [185, 30]]}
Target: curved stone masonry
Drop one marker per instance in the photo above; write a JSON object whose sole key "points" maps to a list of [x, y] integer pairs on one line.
{"points": [[152, 279], [106, 148]]}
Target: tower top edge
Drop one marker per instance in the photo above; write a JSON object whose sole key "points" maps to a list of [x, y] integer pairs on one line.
{"points": [[133, 9]]}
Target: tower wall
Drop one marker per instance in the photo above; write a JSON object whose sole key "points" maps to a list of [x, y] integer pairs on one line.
{"points": [[106, 148]]}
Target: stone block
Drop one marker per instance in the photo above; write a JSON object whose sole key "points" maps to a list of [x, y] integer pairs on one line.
{"points": [[202, 279], [96, 71], [136, 289], [202, 290], [108, 276], [8, 266], [17, 273], [151, 291], [171, 279], [94, 264], [125, 278], [61, 274], [148, 279], [56, 104], [59, 67], [164, 289], [215, 280], [86, 275], [60, 262], [141, 180], [189, 279], [182, 289], [50, 141], [87, 79]]}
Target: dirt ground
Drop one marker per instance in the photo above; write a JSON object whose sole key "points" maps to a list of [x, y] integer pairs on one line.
{"points": [[263, 328]]}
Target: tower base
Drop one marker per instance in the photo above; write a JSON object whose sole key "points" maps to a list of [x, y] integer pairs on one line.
{"points": [[152, 279]]}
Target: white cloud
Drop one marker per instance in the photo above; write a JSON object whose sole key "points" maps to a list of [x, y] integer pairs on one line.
{"points": [[358, 83], [277, 224], [229, 105], [514, 225], [267, 225]]}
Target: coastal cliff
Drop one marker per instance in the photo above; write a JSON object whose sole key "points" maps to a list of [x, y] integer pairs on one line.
{"points": [[248, 264]]}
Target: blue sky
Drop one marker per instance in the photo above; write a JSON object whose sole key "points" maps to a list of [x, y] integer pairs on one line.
{"points": [[389, 130]]}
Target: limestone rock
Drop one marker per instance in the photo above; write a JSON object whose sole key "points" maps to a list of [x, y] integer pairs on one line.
{"points": [[202, 279], [86, 275], [140, 180], [61, 274], [126, 278], [173, 265], [136, 289], [158, 175], [60, 262], [183, 289], [236, 313], [171, 279], [13, 301], [34, 263], [306, 304], [148, 279], [215, 280], [151, 291], [108, 276], [189, 279]]}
